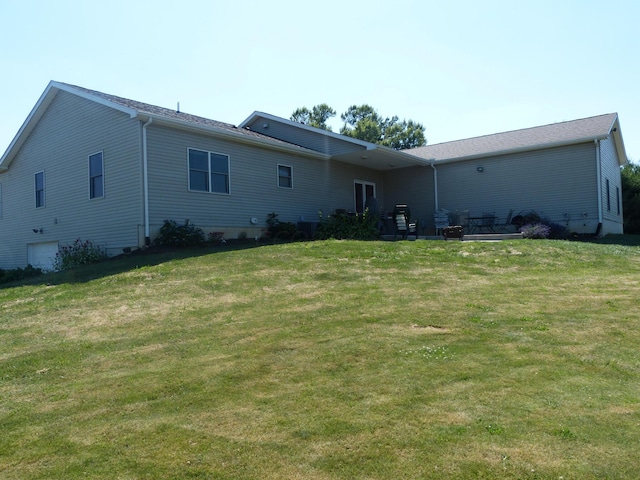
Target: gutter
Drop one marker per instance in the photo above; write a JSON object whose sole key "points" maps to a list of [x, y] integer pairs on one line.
{"points": [[435, 184], [238, 137], [145, 182], [598, 182]]}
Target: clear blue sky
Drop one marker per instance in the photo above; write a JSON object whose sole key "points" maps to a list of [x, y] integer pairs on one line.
{"points": [[462, 68]]}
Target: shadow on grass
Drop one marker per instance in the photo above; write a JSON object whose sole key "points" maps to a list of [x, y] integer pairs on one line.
{"points": [[137, 259], [625, 240]]}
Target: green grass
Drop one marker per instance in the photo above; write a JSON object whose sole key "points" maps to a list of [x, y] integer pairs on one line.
{"points": [[327, 360]]}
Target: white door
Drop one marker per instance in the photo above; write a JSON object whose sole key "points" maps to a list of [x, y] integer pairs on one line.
{"points": [[42, 255]]}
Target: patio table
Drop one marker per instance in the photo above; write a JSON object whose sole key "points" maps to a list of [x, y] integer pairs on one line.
{"points": [[477, 224]]}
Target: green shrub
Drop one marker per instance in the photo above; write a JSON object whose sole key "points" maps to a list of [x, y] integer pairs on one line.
{"points": [[16, 274], [174, 235], [352, 226], [280, 230], [78, 253]]}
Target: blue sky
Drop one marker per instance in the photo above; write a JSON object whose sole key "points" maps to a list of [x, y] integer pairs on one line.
{"points": [[462, 69]]}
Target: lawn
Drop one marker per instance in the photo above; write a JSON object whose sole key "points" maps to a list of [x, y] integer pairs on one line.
{"points": [[327, 360]]}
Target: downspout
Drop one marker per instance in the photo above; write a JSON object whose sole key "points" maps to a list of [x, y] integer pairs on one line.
{"points": [[599, 186], [145, 182], [435, 185]]}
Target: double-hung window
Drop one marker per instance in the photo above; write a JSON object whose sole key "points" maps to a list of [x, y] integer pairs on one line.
{"points": [[285, 176], [39, 189], [96, 175], [208, 171]]}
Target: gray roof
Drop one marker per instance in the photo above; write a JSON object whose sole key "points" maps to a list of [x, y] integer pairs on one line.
{"points": [[563, 133], [154, 111]]}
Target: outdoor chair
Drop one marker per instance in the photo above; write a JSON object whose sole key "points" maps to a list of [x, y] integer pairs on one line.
{"points": [[506, 225], [488, 221], [402, 218]]}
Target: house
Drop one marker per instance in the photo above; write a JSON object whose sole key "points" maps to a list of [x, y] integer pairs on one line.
{"points": [[94, 166]]}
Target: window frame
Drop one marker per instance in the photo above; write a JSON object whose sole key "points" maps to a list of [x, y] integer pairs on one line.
{"points": [[280, 177], [40, 203], [360, 201], [210, 172], [92, 196]]}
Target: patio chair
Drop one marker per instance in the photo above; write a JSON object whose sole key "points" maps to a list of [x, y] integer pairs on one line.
{"points": [[402, 218], [463, 219], [488, 221], [506, 225]]}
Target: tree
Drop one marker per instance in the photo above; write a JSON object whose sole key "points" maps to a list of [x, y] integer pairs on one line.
{"points": [[316, 117], [364, 123], [631, 197]]}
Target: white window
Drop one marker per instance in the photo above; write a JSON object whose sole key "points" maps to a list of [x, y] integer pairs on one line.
{"points": [[285, 176], [208, 171], [39, 189], [363, 191], [96, 176]]}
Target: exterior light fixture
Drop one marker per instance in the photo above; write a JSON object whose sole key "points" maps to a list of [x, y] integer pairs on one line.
{"points": [[480, 169]]}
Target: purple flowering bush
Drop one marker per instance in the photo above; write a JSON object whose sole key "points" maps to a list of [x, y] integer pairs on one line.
{"points": [[535, 230]]}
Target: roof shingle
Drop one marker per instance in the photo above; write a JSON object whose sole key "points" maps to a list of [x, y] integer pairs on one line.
{"points": [[534, 137]]}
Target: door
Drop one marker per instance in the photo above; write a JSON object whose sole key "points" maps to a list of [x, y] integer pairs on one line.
{"points": [[363, 191], [42, 255]]}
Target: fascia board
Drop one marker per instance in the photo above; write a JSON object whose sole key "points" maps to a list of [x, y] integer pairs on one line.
{"points": [[27, 126], [238, 137], [95, 98], [38, 110], [255, 115]]}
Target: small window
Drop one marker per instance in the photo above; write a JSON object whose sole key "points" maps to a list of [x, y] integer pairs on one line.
{"points": [[608, 197], [285, 176], [208, 171], [617, 201], [39, 186], [0, 200], [96, 176]]}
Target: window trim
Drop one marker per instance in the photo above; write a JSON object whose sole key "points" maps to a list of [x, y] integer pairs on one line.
{"points": [[280, 177], [101, 153], [44, 189], [209, 172]]}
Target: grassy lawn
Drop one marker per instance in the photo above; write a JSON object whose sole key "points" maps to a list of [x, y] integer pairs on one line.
{"points": [[328, 360]]}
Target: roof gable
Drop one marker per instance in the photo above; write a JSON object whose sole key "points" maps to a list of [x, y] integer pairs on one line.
{"points": [[563, 133], [142, 111]]}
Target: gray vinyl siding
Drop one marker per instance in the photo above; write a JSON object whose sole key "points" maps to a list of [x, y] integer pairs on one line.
{"points": [[304, 138], [610, 170], [253, 184], [558, 183], [69, 131], [412, 186]]}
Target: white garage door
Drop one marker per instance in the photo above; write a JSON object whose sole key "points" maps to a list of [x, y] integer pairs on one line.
{"points": [[42, 255]]}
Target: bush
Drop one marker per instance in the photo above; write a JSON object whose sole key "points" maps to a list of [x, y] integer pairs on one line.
{"points": [[535, 230], [342, 225], [16, 274], [278, 229], [174, 235], [78, 253]]}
